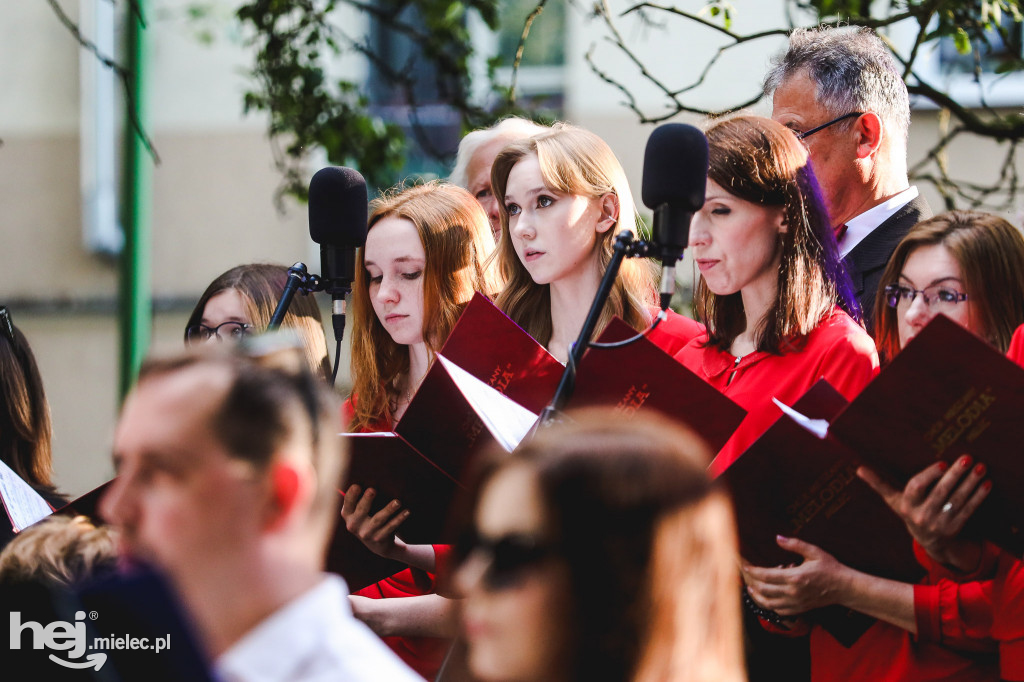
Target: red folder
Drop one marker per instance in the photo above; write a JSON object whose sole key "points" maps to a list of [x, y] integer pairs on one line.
{"points": [[641, 376], [88, 504], [790, 482], [420, 464], [391, 466], [496, 350], [375, 460], [490, 346], [946, 394]]}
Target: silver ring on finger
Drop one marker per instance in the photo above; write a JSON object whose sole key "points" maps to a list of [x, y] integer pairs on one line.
{"points": [[948, 507]]}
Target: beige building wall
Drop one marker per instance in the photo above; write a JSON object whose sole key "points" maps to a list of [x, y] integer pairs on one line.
{"points": [[213, 208], [213, 194]]}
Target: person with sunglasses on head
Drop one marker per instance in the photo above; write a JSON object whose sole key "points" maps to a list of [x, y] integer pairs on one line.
{"points": [[600, 550], [969, 266], [424, 259], [840, 90], [242, 301], [563, 198], [25, 429]]}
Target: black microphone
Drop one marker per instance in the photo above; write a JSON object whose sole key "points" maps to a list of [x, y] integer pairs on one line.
{"points": [[337, 222], [675, 178]]}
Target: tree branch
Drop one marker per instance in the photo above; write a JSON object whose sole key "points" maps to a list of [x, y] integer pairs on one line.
{"points": [[537, 11], [122, 74]]}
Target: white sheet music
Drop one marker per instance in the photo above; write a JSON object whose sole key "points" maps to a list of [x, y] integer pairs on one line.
{"points": [[507, 420], [819, 427], [23, 504]]}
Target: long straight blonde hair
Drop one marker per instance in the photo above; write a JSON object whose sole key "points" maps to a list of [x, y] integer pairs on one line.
{"points": [[572, 161]]}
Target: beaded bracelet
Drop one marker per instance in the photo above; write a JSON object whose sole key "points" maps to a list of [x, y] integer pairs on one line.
{"points": [[764, 614]]}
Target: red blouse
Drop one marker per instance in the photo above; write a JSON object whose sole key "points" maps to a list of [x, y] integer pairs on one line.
{"points": [[979, 611], [838, 349], [674, 332]]}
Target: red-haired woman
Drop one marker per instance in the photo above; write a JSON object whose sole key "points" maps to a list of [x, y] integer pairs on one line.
{"points": [[423, 260]]}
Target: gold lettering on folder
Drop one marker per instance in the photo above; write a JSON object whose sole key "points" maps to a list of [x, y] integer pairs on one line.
{"points": [[827, 495], [965, 416]]}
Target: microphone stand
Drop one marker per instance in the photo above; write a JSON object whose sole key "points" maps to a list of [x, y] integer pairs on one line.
{"points": [[299, 279], [625, 247]]}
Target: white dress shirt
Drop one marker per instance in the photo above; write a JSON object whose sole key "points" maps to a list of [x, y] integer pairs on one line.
{"points": [[313, 638], [861, 226]]}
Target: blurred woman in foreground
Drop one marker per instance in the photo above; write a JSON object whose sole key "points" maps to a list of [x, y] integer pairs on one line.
{"points": [[600, 550]]}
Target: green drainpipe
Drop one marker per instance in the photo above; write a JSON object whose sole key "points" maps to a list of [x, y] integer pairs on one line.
{"points": [[135, 308]]}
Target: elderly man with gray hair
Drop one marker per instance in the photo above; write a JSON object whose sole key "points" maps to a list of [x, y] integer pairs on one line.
{"points": [[840, 91]]}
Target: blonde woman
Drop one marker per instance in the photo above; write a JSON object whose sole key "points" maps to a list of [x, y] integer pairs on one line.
{"points": [[563, 197]]}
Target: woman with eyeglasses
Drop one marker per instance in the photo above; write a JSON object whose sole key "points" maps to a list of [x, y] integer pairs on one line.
{"points": [[966, 265], [25, 429], [969, 266], [600, 550], [243, 300], [563, 197], [424, 259]]}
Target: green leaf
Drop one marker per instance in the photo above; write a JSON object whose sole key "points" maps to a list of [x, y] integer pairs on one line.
{"points": [[962, 41]]}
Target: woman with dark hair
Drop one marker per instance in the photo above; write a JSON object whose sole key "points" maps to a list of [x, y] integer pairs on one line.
{"points": [[563, 197], [600, 550], [772, 291], [241, 302], [25, 431], [969, 266], [424, 259]]}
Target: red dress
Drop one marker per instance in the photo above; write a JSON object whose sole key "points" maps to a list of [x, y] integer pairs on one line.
{"points": [[423, 654]]}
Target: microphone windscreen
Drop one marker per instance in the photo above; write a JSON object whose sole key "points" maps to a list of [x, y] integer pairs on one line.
{"points": [[337, 207], [675, 167]]}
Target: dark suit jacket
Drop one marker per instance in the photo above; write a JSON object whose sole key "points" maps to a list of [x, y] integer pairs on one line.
{"points": [[869, 258]]}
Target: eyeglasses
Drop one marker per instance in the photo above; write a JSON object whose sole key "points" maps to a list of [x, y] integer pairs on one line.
{"points": [[937, 297], [6, 324], [200, 333], [807, 133], [508, 558]]}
